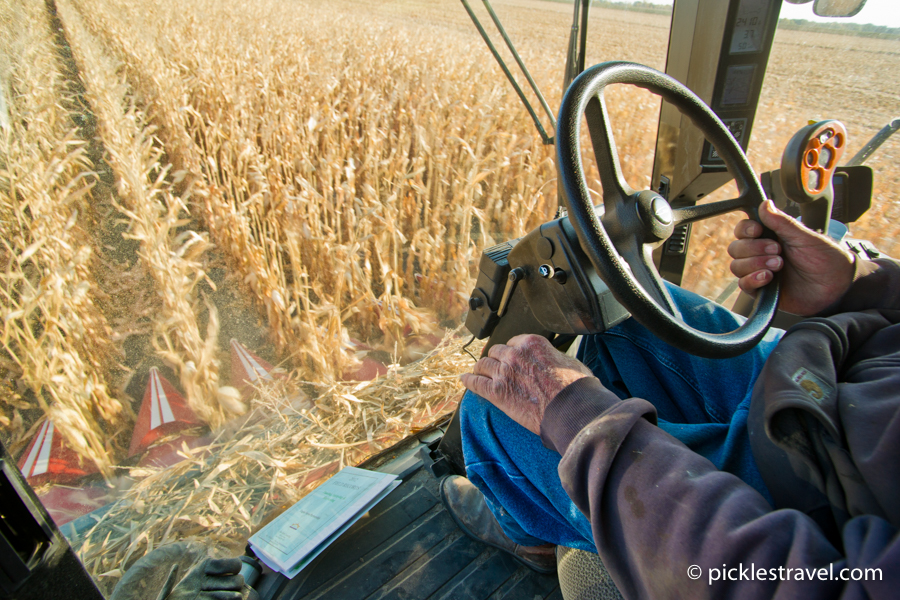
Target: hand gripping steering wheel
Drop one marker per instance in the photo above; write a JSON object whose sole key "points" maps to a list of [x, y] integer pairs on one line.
{"points": [[620, 243]]}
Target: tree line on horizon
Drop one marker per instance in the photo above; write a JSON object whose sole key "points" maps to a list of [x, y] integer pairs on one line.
{"points": [[859, 29]]}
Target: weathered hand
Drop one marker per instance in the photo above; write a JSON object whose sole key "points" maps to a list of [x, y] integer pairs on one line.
{"points": [[522, 377], [815, 271]]}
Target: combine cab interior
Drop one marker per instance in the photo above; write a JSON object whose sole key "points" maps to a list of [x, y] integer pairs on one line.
{"points": [[725, 53]]}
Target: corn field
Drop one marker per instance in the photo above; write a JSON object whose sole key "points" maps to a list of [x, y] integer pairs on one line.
{"points": [[337, 195], [310, 178]]}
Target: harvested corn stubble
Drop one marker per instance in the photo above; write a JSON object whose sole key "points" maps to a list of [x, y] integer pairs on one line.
{"points": [[283, 448]]}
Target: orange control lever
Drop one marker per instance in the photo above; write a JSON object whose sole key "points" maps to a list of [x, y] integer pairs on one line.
{"points": [[807, 169]]}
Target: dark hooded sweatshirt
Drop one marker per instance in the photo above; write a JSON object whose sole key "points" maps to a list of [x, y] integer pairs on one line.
{"points": [[825, 430]]}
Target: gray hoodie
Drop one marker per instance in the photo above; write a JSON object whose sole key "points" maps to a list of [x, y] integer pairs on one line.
{"points": [[825, 429]]}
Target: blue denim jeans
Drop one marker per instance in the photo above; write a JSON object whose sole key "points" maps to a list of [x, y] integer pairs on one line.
{"points": [[701, 402]]}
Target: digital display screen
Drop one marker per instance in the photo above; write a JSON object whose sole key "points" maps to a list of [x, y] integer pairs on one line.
{"points": [[738, 83], [737, 128], [749, 27]]}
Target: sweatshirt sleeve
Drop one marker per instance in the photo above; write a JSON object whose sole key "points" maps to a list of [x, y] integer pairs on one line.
{"points": [[876, 284], [660, 511]]}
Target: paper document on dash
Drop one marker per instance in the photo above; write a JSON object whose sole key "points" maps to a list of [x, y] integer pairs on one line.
{"points": [[330, 508]]}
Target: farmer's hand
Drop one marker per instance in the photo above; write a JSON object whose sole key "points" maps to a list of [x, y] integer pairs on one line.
{"points": [[522, 376], [815, 270]]}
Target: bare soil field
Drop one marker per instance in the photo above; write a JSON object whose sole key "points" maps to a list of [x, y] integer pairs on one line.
{"points": [[315, 180]]}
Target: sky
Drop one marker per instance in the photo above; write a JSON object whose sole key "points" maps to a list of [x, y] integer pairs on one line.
{"points": [[879, 12]]}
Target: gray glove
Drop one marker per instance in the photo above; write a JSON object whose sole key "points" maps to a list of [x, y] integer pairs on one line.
{"points": [[183, 571]]}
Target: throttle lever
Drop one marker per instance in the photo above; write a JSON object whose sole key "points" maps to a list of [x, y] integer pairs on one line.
{"points": [[514, 277], [807, 170]]}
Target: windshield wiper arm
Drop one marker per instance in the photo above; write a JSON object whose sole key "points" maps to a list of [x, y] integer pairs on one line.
{"points": [[548, 139], [877, 140], [577, 43]]}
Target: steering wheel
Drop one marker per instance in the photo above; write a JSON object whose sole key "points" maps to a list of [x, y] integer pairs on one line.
{"points": [[620, 243]]}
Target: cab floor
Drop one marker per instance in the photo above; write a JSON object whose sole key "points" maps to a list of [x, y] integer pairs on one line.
{"points": [[408, 547]]}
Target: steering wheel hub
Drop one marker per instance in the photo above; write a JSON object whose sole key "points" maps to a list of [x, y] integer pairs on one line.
{"points": [[655, 215]]}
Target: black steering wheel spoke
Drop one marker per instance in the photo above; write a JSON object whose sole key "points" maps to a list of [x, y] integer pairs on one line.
{"points": [[619, 245], [615, 189], [640, 259], [691, 214]]}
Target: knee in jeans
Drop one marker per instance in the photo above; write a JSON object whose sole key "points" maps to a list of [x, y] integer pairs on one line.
{"points": [[474, 408]]}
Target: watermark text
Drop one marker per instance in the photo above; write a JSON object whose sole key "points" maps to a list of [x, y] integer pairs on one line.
{"points": [[751, 573]]}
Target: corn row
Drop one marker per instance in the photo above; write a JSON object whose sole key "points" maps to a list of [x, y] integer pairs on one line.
{"points": [[172, 253], [345, 213], [56, 341]]}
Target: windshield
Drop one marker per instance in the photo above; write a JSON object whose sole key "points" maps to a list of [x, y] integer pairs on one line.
{"points": [[239, 238], [237, 245]]}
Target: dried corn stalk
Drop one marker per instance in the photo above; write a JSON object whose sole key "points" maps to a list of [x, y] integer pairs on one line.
{"points": [[56, 341], [171, 251], [220, 494], [346, 188]]}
